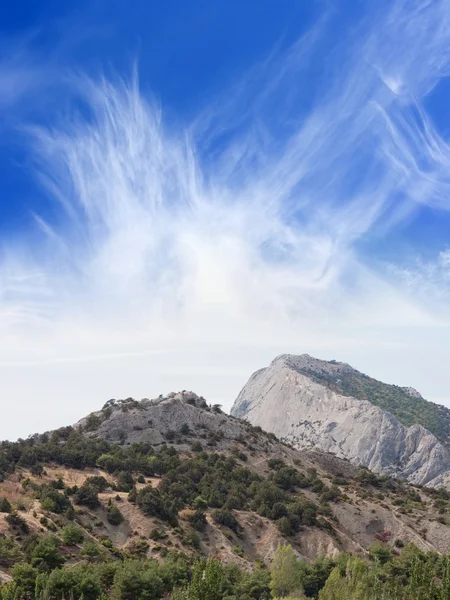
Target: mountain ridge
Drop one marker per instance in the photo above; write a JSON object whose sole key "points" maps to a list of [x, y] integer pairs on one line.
{"points": [[309, 403], [405, 403], [172, 480]]}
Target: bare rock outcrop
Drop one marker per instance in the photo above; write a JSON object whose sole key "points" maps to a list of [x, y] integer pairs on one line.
{"points": [[179, 418], [282, 399]]}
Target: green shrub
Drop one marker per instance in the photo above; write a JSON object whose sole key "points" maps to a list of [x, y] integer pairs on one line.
{"points": [[5, 505], [225, 517], [72, 535], [87, 495], [113, 515]]}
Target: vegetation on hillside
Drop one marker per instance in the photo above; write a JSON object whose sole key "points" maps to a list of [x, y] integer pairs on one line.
{"points": [[407, 408], [185, 495], [413, 575]]}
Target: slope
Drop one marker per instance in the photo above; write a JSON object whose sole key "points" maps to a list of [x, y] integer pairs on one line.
{"points": [[290, 399], [405, 403]]}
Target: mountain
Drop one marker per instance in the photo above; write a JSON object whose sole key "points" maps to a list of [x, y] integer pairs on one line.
{"points": [[86, 510], [328, 405]]}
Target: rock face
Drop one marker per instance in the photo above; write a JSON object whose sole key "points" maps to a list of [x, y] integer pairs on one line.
{"points": [[179, 418], [283, 400]]}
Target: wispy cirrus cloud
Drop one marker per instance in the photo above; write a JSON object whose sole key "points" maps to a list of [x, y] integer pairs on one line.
{"points": [[180, 251]]}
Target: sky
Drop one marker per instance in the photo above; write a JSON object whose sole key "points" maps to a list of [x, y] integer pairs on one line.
{"points": [[189, 189]]}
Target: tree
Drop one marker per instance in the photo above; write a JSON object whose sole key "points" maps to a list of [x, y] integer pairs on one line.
{"points": [[72, 535], [380, 552], [114, 515], [125, 481], [356, 584], [185, 429], [24, 576], [285, 573], [10, 552], [223, 516], [137, 580], [284, 526], [45, 555], [206, 582], [87, 495], [5, 505]]}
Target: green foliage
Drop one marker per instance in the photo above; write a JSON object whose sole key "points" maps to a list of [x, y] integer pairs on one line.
{"points": [[413, 575], [225, 517], [113, 515], [45, 555], [71, 535], [24, 576], [138, 580], [285, 573], [93, 422], [197, 519], [153, 503], [98, 482], [206, 583], [380, 552], [5, 505], [10, 552], [16, 522], [90, 549], [87, 495], [51, 499], [125, 481]]}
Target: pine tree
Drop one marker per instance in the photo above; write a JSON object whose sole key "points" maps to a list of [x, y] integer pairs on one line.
{"points": [[5, 505]]}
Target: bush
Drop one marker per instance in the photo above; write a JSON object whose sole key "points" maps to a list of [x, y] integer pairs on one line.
{"points": [[113, 515], [284, 526], [52, 500], [5, 505], [198, 520], [153, 504], [185, 429], [10, 553], [72, 535], [98, 482], [276, 463], [332, 494], [90, 550], [15, 521], [225, 517], [45, 555], [70, 513], [87, 495], [125, 481], [157, 534]]}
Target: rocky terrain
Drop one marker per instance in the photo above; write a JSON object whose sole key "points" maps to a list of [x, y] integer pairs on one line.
{"points": [[176, 477], [161, 420], [330, 406]]}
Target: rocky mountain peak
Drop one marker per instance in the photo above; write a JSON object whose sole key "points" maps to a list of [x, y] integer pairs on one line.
{"points": [[331, 406], [305, 362], [176, 418], [412, 392]]}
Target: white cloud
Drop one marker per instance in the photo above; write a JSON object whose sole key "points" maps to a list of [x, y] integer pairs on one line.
{"points": [[188, 258]]}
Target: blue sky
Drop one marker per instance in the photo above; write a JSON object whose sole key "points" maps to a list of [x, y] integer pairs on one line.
{"points": [[188, 189]]}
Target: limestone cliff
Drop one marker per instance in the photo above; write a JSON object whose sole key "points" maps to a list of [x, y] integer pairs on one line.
{"points": [[293, 399]]}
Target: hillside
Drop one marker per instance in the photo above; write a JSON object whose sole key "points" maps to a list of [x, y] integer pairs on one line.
{"points": [[211, 485], [300, 400], [405, 403]]}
